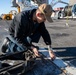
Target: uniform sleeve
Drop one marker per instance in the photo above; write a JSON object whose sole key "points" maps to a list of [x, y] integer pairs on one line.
{"points": [[45, 34]]}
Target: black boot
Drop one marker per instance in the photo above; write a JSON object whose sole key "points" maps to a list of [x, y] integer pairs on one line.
{"points": [[5, 45]]}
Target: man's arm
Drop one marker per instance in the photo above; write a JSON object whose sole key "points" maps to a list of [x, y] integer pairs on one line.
{"points": [[47, 40], [45, 34]]}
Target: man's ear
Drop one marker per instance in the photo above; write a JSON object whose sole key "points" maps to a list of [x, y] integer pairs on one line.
{"points": [[38, 14]]}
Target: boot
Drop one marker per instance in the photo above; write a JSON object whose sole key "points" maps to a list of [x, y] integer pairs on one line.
{"points": [[5, 45]]}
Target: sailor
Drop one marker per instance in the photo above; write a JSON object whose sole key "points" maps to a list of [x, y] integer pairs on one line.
{"points": [[31, 24]]}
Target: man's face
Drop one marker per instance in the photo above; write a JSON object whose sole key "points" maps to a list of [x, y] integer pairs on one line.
{"points": [[41, 17]]}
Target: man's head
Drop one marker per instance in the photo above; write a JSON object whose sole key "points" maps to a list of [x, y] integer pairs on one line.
{"points": [[44, 12]]}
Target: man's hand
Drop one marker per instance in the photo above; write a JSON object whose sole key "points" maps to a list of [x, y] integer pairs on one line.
{"points": [[36, 52], [52, 54]]}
